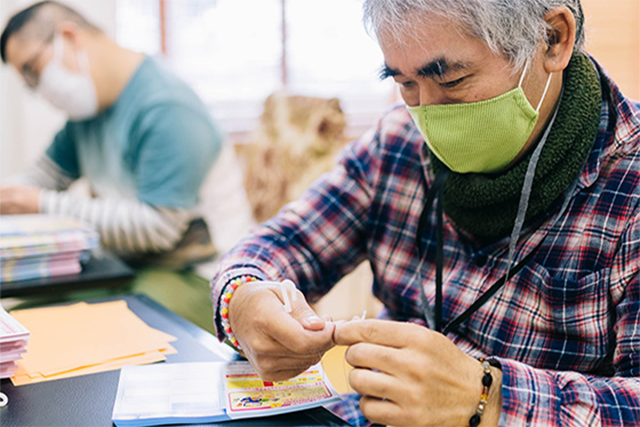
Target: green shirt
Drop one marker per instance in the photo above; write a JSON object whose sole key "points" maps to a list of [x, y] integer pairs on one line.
{"points": [[156, 144]]}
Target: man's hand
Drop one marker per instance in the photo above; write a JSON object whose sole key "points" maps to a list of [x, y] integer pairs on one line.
{"points": [[19, 200], [278, 344], [412, 376]]}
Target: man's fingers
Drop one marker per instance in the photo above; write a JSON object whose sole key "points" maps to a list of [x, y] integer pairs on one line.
{"points": [[374, 356], [19, 200], [270, 348], [383, 412], [372, 383], [302, 341], [381, 332], [290, 332], [303, 313], [7, 204], [294, 302], [272, 364]]}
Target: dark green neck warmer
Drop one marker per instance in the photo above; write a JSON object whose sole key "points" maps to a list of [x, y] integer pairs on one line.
{"points": [[486, 206]]}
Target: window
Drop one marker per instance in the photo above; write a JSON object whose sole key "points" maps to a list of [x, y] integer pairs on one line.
{"points": [[235, 53], [138, 25], [330, 54]]}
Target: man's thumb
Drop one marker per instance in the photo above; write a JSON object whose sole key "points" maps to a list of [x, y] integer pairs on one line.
{"points": [[304, 314]]}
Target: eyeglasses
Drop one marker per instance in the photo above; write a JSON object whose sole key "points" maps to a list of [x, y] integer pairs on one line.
{"points": [[30, 75]]}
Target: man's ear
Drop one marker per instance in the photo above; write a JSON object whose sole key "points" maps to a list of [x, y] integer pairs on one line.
{"points": [[561, 39], [72, 33]]}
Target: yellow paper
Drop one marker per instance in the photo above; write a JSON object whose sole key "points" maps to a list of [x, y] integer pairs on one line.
{"points": [[86, 338]]}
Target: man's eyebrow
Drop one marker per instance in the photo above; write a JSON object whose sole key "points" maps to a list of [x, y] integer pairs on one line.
{"points": [[441, 67], [385, 72]]}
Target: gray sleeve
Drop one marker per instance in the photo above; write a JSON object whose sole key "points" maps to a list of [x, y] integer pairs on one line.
{"points": [[125, 226], [45, 173]]}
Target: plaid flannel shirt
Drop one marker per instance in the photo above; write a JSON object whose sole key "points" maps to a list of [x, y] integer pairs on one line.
{"points": [[566, 328]]}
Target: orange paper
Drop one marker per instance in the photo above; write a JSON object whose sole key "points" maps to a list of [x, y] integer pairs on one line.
{"points": [[86, 338]]}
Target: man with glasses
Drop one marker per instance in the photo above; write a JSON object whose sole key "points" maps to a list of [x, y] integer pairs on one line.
{"points": [[141, 138]]}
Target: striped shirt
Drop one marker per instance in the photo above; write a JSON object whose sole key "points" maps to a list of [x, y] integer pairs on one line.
{"points": [[566, 328], [126, 226]]}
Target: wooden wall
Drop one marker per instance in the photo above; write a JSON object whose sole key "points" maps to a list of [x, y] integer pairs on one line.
{"points": [[613, 38]]}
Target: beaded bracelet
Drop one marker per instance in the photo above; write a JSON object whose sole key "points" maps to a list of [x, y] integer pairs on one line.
{"points": [[227, 293], [487, 380]]}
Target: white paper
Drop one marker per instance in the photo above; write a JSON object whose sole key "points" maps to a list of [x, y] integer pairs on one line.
{"points": [[169, 393]]}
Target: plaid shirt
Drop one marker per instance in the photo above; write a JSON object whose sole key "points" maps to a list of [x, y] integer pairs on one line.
{"points": [[566, 328]]}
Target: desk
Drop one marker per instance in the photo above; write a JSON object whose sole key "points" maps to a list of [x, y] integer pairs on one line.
{"points": [[102, 269], [88, 400]]}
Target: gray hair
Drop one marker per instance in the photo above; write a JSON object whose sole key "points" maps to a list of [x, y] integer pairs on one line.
{"points": [[513, 28]]}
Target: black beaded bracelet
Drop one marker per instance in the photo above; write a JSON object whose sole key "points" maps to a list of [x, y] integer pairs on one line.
{"points": [[487, 380]]}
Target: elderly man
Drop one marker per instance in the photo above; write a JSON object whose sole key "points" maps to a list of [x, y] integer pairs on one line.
{"points": [[500, 212]]}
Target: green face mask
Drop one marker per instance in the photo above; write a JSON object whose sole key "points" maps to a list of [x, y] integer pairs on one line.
{"points": [[479, 137]]}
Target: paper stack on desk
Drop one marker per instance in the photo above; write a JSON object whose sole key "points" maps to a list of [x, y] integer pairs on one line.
{"points": [[177, 393], [36, 246], [80, 339], [14, 338]]}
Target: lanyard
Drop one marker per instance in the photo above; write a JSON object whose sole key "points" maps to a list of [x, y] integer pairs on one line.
{"points": [[436, 189]]}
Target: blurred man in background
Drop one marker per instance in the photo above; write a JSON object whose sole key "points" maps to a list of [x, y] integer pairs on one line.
{"points": [[139, 136]]}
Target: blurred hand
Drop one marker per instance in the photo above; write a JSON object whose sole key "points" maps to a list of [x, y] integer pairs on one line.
{"points": [[19, 200], [278, 344], [412, 376]]}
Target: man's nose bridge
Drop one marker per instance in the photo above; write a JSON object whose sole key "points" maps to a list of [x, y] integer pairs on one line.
{"points": [[429, 95]]}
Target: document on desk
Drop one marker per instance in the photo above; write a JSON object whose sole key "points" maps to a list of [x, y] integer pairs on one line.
{"points": [[14, 338], [41, 245], [211, 392], [80, 339], [170, 393]]}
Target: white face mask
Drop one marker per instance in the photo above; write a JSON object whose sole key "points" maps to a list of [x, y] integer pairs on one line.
{"points": [[74, 93]]}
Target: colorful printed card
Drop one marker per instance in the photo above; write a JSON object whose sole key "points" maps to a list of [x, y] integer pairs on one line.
{"points": [[249, 396]]}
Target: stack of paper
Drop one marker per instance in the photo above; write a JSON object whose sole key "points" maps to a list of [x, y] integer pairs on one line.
{"points": [[85, 338], [207, 392], [13, 341], [36, 246]]}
